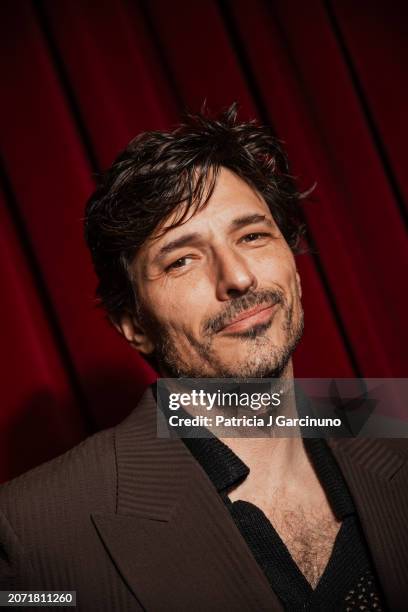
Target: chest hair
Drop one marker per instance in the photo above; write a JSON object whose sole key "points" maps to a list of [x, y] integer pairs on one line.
{"points": [[309, 537]]}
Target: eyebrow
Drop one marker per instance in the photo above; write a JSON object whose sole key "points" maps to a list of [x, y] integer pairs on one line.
{"points": [[249, 219], [177, 243]]}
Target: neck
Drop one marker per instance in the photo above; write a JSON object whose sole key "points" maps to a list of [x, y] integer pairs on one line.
{"points": [[286, 455]]}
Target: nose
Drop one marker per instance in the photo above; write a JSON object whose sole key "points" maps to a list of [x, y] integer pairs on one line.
{"points": [[233, 275]]}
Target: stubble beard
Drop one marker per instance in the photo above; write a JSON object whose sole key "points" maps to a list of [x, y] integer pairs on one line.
{"points": [[263, 360]]}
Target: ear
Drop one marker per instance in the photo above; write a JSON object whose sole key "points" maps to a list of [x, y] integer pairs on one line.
{"points": [[299, 284], [134, 333]]}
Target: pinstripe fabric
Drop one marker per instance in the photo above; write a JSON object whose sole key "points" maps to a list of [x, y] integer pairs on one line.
{"points": [[179, 528], [377, 475], [132, 522], [48, 512]]}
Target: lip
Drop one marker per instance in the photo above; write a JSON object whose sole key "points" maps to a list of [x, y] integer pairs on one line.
{"points": [[249, 318]]}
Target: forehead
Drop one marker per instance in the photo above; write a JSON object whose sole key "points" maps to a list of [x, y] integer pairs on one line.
{"points": [[231, 198]]}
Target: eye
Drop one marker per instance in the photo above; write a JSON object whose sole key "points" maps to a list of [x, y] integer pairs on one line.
{"points": [[179, 263], [254, 236]]}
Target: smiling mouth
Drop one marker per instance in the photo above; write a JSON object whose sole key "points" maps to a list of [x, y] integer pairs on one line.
{"points": [[250, 318]]}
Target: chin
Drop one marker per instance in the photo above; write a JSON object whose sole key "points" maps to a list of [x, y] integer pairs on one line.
{"points": [[259, 368]]}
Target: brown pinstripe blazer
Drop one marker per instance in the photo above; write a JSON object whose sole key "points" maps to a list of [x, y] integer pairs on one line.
{"points": [[132, 522]]}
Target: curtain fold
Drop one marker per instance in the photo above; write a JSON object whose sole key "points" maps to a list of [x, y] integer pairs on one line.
{"points": [[81, 78]]}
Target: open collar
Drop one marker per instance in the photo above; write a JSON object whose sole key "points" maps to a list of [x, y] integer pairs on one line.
{"points": [[176, 546], [172, 539]]}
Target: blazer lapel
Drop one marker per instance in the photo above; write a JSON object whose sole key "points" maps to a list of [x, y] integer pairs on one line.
{"points": [[171, 538], [376, 472]]}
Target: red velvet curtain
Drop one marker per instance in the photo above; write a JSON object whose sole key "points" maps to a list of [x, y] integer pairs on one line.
{"points": [[82, 77]]}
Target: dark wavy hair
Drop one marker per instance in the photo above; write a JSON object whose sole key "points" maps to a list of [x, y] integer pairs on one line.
{"points": [[159, 171]]}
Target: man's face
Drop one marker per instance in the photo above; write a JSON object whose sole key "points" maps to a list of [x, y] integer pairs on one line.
{"points": [[219, 295]]}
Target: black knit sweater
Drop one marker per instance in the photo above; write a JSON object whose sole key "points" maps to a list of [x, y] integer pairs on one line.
{"points": [[348, 581]]}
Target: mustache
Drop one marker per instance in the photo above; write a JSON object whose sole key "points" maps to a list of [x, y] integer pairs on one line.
{"points": [[267, 297]]}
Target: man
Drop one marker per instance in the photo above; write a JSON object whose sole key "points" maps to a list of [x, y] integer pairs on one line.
{"points": [[192, 235]]}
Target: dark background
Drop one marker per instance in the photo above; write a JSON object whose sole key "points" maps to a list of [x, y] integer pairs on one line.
{"points": [[80, 78]]}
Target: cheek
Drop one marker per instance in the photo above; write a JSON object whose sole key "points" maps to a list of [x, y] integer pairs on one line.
{"points": [[179, 304], [278, 267]]}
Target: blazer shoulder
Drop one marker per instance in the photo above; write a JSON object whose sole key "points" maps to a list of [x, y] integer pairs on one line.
{"points": [[86, 471], [399, 446]]}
